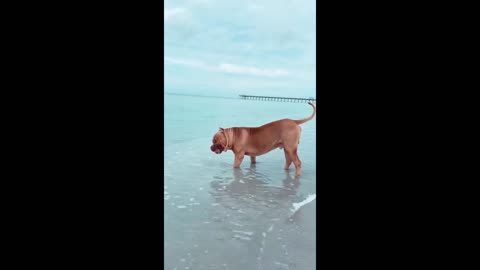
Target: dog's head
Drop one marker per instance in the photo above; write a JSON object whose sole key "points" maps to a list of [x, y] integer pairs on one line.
{"points": [[219, 142]]}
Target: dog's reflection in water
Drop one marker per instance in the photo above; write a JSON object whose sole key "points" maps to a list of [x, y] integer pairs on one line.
{"points": [[250, 188], [291, 183], [252, 203]]}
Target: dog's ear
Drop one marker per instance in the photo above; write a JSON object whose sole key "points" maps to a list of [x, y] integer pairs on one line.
{"points": [[221, 129]]}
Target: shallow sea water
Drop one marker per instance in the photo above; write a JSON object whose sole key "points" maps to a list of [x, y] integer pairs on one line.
{"points": [[218, 217]]}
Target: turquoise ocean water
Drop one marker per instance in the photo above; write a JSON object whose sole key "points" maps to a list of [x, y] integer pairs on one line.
{"points": [[218, 217]]}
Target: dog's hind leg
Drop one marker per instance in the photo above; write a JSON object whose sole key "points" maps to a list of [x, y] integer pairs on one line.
{"points": [[292, 153], [298, 164], [290, 144], [253, 159]]}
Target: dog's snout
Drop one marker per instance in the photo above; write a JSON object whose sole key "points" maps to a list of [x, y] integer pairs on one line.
{"points": [[217, 148]]}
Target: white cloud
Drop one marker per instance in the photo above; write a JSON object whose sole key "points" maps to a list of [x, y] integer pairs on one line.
{"points": [[230, 68], [248, 44], [183, 62], [169, 13]]}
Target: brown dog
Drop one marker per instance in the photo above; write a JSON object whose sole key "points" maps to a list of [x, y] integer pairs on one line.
{"points": [[256, 141]]}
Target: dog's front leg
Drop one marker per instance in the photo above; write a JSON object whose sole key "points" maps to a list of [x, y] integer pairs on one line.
{"points": [[238, 159]]}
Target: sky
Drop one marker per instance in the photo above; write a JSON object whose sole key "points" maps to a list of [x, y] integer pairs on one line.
{"points": [[228, 48]]}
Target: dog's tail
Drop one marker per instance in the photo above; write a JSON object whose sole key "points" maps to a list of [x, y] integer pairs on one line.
{"points": [[309, 118]]}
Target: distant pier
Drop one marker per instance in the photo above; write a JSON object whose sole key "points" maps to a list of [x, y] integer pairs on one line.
{"points": [[281, 99]]}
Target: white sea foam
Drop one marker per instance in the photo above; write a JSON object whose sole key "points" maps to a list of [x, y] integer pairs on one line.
{"points": [[242, 237], [236, 224], [298, 205], [243, 232], [284, 265]]}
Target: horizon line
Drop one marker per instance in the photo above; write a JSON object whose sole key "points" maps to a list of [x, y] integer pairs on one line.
{"points": [[198, 95], [231, 97]]}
